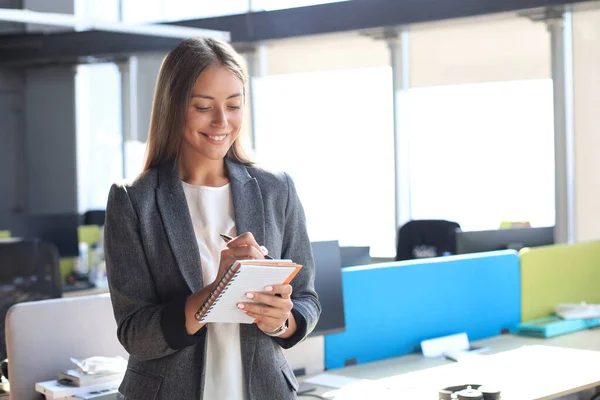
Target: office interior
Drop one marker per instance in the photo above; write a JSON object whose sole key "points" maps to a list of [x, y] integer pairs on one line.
{"points": [[387, 114]]}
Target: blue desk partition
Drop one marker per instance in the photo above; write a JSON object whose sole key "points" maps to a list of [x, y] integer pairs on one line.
{"points": [[390, 308]]}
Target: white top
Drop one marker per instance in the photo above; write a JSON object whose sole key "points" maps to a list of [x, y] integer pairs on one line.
{"points": [[211, 209]]}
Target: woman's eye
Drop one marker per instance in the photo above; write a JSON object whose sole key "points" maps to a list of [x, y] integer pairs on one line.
{"points": [[202, 108], [234, 107]]}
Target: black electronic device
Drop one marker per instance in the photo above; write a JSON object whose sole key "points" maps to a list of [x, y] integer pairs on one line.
{"points": [[355, 255], [328, 285], [503, 239], [59, 229], [469, 392]]}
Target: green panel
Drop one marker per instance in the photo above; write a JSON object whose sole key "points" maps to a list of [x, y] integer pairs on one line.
{"points": [[4, 234], [67, 266], [89, 234], [557, 274]]}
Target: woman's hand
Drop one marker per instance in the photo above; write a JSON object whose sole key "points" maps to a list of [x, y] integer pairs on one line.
{"points": [[242, 247], [272, 310]]}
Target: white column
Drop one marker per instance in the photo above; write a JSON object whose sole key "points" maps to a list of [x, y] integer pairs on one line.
{"points": [[586, 51], [256, 57], [129, 105], [562, 75], [398, 43]]}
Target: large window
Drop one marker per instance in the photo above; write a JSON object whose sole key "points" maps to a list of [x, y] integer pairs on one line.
{"points": [[99, 142], [333, 132], [483, 153]]}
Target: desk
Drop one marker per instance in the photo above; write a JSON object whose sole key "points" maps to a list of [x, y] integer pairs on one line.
{"points": [[561, 373], [86, 292]]}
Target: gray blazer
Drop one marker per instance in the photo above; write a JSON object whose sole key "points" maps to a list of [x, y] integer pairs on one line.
{"points": [[153, 265]]}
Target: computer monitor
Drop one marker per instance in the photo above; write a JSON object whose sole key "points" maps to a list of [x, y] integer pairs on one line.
{"points": [[502, 239], [60, 229], [355, 255], [328, 285]]}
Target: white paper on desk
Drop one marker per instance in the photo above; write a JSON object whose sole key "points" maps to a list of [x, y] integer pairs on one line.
{"points": [[331, 380]]}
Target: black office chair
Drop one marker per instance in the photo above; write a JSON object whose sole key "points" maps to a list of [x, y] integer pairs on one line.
{"points": [[426, 238], [94, 217], [29, 271]]}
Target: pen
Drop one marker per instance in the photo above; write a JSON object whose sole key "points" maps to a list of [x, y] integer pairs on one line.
{"points": [[227, 239]]}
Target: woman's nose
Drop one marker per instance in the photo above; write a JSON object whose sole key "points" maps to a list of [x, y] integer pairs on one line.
{"points": [[219, 119]]}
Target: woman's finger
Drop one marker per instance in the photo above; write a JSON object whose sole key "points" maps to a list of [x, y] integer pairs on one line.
{"points": [[284, 291], [246, 252], [265, 310], [245, 239]]}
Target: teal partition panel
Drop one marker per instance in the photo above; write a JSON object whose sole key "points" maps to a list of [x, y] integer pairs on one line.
{"points": [[390, 308]]}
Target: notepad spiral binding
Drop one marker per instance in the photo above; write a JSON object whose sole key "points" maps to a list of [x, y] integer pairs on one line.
{"points": [[216, 294]]}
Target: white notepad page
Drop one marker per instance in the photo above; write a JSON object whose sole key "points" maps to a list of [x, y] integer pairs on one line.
{"points": [[250, 278]]}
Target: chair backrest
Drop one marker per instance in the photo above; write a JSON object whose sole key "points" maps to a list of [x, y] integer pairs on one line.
{"points": [[94, 217], [426, 238], [29, 271], [41, 337]]}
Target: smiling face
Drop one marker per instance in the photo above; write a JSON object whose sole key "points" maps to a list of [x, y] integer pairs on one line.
{"points": [[214, 115]]}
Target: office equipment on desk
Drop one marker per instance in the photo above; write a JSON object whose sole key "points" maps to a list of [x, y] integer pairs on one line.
{"points": [[391, 308], [55, 390], [558, 274], [68, 331], [242, 277], [60, 229], [328, 285], [502, 239], [454, 347], [425, 239], [554, 326], [353, 256], [578, 310]]}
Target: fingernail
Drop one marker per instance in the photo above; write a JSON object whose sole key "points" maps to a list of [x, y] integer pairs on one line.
{"points": [[241, 306], [269, 288], [250, 295], [264, 250]]}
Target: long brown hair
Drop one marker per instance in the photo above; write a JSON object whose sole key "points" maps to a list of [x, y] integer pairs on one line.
{"points": [[178, 74]]}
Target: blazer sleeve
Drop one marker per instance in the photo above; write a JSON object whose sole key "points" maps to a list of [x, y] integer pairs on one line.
{"points": [[296, 246], [147, 327]]}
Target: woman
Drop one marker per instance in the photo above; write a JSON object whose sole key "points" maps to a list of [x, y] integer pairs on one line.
{"points": [[164, 252]]}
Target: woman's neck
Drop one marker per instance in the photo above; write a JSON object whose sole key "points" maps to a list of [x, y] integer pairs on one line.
{"points": [[200, 172]]}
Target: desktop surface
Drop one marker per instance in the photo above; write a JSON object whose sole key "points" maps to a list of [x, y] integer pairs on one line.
{"points": [[567, 371]]}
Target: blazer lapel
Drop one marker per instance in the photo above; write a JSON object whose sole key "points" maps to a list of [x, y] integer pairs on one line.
{"points": [[176, 218], [247, 201], [249, 217]]}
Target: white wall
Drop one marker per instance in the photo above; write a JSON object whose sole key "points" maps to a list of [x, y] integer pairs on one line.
{"points": [[586, 49], [443, 53], [325, 52], [451, 53]]}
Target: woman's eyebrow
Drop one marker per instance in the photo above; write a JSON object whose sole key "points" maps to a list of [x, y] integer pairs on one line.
{"points": [[203, 96]]}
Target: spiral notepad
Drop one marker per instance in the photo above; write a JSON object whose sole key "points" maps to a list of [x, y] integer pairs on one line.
{"points": [[242, 277]]}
